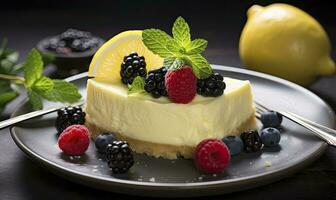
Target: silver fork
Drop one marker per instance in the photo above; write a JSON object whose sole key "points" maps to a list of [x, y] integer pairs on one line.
{"points": [[323, 132], [24, 117]]}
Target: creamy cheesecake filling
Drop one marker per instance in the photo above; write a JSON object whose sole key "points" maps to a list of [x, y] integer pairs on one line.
{"points": [[160, 121]]}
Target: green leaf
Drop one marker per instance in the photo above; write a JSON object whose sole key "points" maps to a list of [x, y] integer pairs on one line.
{"points": [[13, 57], [197, 46], [33, 67], [181, 31], [7, 97], [62, 92], [157, 41], [138, 85], [3, 46], [17, 68], [43, 85], [173, 63], [200, 65], [35, 100]]}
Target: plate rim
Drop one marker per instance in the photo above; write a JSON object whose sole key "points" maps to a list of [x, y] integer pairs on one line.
{"points": [[266, 177]]}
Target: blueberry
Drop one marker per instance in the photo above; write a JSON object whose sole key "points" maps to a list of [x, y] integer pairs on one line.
{"points": [[235, 144], [103, 140], [270, 137], [271, 119]]}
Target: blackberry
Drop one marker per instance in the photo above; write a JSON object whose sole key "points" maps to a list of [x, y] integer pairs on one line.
{"points": [[155, 82], [71, 34], [252, 141], [83, 44], [119, 156], [69, 116], [132, 66], [213, 86]]}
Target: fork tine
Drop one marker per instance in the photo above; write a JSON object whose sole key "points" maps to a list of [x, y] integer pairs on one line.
{"points": [[261, 107], [259, 111]]}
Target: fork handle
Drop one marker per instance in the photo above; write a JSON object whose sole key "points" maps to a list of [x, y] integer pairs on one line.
{"points": [[325, 135], [24, 117]]}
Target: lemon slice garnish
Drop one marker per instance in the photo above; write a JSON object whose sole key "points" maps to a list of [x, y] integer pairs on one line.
{"points": [[106, 63]]}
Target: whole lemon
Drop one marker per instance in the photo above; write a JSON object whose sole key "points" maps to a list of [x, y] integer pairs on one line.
{"points": [[284, 41]]}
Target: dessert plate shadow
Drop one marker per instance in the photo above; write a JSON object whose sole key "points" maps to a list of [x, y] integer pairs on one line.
{"points": [[178, 178]]}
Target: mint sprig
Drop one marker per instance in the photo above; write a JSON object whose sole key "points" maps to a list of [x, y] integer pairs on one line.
{"points": [[33, 67], [181, 31], [137, 86], [40, 87], [179, 49], [156, 41]]}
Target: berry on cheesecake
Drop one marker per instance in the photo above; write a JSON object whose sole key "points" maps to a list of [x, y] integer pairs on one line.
{"points": [[213, 86], [155, 82], [181, 85], [132, 66]]}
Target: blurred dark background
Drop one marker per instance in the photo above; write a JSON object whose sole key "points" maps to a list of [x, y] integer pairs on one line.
{"points": [[24, 23], [220, 22]]}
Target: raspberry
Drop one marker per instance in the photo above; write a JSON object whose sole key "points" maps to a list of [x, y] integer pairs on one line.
{"points": [[74, 140], [181, 85], [212, 156]]}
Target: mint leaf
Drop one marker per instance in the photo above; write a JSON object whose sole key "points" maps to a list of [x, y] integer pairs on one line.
{"points": [[33, 67], [176, 48], [62, 92], [197, 46], [157, 41], [173, 63], [35, 100], [43, 85], [138, 86], [200, 65], [6, 97], [181, 31]]}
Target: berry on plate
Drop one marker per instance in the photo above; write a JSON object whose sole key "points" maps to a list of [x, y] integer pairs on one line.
{"points": [[119, 157], [252, 141], [181, 85], [270, 137], [235, 144], [74, 140], [212, 156], [103, 140], [69, 116], [271, 119]]}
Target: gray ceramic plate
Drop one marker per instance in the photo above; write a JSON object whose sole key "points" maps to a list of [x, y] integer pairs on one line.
{"points": [[176, 178]]}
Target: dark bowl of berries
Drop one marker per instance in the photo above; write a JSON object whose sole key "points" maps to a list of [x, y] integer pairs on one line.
{"points": [[72, 49]]}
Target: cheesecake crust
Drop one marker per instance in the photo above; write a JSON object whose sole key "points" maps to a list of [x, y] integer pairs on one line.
{"points": [[165, 150]]}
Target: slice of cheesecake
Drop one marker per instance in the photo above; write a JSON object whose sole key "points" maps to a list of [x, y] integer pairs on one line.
{"points": [[159, 127]]}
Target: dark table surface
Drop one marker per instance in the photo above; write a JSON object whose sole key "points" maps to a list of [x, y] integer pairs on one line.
{"points": [[21, 178]]}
